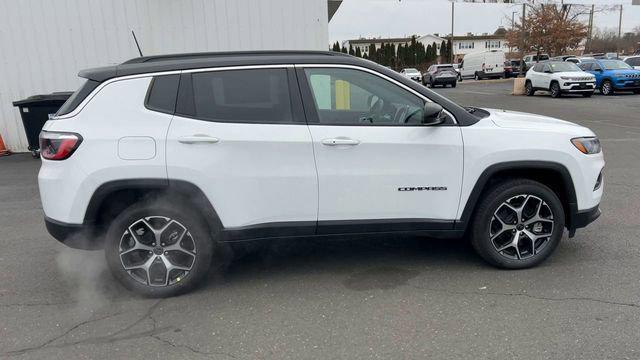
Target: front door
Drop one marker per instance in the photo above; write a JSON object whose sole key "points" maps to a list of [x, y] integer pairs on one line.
{"points": [[379, 168]]}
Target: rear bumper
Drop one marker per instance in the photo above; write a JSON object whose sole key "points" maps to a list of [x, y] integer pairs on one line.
{"points": [[582, 218], [77, 236], [445, 80]]}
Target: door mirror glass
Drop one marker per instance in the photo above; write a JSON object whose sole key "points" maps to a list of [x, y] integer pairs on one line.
{"points": [[432, 114]]}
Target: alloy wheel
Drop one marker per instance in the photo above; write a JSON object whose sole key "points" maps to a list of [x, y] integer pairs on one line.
{"points": [[157, 251], [521, 227], [606, 88]]}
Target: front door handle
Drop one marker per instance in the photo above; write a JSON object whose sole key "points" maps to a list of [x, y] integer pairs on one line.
{"points": [[198, 138], [340, 141]]}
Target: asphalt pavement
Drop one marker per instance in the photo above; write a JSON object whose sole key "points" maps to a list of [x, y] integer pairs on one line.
{"points": [[366, 298]]}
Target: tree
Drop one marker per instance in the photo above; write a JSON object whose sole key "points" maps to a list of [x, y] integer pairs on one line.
{"points": [[344, 50], [549, 28], [358, 52], [336, 47], [444, 54], [372, 53], [351, 52]]}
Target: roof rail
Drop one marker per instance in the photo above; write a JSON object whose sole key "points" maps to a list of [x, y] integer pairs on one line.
{"points": [[202, 55]]}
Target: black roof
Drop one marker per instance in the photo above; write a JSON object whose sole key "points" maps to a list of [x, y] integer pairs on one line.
{"points": [[157, 63]]}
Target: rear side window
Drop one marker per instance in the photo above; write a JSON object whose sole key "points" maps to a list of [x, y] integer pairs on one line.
{"points": [[77, 97], [162, 93], [252, 95], [538, 67]]}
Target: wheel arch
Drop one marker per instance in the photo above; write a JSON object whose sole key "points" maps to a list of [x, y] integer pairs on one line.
{"points": [[554, 175], [112, 197]]}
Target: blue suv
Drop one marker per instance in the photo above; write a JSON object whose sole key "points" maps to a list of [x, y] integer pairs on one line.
{"points": [[612, 75]]}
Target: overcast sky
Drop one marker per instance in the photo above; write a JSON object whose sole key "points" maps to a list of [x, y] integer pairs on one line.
{"points": [[393, 18]]}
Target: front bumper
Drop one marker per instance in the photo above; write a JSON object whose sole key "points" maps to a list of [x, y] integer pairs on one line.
{"points": [[624, 84], [577, 86], [581, 218], [77, 236]]}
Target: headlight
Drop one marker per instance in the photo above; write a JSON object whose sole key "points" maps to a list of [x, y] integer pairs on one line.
{"points": [[565, 77], [587, 145]]}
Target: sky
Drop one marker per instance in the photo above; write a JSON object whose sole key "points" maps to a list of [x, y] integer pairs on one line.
{"points": [[399, 18]]}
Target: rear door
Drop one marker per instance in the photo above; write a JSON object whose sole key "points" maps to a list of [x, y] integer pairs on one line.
{"points": [[379, 168], [240, 135]]}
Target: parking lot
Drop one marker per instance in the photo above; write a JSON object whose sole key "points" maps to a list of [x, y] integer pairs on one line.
{"points": [[382, 298]]}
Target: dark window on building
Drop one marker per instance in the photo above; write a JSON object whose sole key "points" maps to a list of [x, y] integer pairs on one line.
{"points": [[253, 95], [162, 93]]}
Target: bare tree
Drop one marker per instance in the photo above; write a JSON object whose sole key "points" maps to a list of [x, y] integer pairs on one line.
{"points": [[550, 28]]}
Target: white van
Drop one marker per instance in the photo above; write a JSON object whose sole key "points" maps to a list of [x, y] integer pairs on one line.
{"points": [[481, 65]]}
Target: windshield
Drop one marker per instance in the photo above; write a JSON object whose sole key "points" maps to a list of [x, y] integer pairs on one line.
{"points": [[615, 65], [411, 71], [563, 66]]}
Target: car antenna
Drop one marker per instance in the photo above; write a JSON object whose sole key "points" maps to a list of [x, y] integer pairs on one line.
{"points": [[136, 40]]}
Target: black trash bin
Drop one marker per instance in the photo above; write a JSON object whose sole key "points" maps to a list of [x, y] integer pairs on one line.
{"points": [[35, 111]]}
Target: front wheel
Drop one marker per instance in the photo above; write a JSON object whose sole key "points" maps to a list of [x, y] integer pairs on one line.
{"points": [[476, 77], [517, 224], [158, 250], [453, 84], [555, 90], [606, 88]]}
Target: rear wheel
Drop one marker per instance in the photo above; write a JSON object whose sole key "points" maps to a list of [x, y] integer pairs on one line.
{"points": [[476, 76], [453, 84], [158, 250], [555, 90], [517, 224], [606, 88], [528, 88]]}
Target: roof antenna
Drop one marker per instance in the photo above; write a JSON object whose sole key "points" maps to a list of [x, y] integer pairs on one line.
{"points": [[136, 40]]}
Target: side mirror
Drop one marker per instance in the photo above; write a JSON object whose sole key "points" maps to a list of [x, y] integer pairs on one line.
{"points": [[432, 114]]}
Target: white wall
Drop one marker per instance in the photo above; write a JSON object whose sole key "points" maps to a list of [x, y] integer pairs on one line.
{"points": [[44, 43]]}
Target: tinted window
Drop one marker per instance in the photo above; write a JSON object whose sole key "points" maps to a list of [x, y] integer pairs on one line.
{"points": [[538, 67], [77, 97], [586, 66], [253, 95], [634, 61], [162, 93], [354, 97]]}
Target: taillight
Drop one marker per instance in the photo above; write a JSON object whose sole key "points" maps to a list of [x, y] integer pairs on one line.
{"points": [[58, 145]]}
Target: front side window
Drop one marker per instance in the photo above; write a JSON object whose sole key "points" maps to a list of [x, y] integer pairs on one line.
{"points": [[355, 97], [251, 95]]}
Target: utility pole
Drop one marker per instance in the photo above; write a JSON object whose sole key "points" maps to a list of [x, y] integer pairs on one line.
{"points": [[521, 46], [590, 28], [619, 33], [452, 16]]}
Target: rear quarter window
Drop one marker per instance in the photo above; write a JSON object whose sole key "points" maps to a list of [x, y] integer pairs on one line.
{"points": [[77, 97], [162, 93]]}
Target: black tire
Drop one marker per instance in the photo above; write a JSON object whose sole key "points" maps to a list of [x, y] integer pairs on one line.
{"points": [[636, 91], [431, 84], [554, 89], [484, 221], [606, 88], [196, 233], [587, 94], [476, 77], [528, 88], [453, 84]]}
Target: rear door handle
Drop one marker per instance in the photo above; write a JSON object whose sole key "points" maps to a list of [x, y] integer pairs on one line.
{"points": [[340, 141], [198, 138]]}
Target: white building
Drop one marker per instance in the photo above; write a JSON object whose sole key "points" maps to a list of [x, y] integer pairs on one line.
{"points": [[45, 43], [364, 44], [471, 43]]}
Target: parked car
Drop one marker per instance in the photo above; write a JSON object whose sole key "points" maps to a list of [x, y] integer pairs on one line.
{"points": [[511, 68], [611, 56], [161, 160], [559, 77], [482, 65], [531, 60], [613, 75], [412, 74], [561, 57], [634, 61], [443, 74]]}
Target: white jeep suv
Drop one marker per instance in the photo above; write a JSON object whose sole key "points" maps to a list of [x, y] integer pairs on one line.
{"points": [[162, 159], [559, 77]]}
